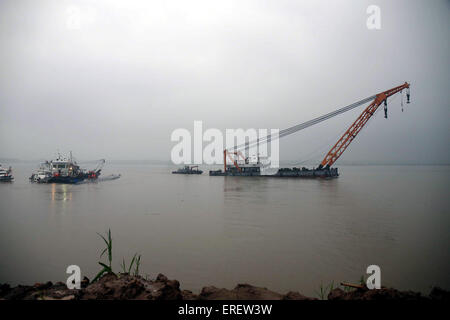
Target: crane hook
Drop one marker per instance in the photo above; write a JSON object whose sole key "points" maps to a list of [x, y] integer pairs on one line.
{"points": [[401, 99], [385, 109], [408, 93]]}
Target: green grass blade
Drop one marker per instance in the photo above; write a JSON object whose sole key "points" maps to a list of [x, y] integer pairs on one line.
{"points": [[138, 262], [99, 275], [104, 239], [103, 252], [131, 263], [105, 266]]}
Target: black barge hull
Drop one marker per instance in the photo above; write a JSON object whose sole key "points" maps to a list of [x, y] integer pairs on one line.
{"points": [[282, 172], [188, 172]]}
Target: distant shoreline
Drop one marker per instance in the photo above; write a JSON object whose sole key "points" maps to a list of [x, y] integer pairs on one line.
{"points": [[5, 161]]}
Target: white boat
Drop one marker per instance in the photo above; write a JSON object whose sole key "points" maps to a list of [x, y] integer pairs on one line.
{"points": [[43, 173], [5, 174]]}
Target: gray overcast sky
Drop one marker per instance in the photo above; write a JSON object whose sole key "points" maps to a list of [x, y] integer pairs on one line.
{"points": [[116, 85]]}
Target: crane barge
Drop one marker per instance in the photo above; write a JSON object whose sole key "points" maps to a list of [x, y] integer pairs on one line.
{"points": [[241, 166]]}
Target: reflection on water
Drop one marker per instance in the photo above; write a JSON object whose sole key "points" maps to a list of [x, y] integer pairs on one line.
{"points": [[284, 234], [60, 198], [60, 192]]}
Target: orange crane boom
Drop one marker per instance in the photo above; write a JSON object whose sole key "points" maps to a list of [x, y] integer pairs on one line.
{"points": [[351, 133], [234, 161]]}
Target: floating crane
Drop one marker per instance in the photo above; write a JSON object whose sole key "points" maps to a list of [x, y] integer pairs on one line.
{"points": [[351, 133], [244, 168]]}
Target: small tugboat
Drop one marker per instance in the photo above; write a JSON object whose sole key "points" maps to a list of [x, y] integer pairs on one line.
{"points": [[5, 174], [188, 170], [65, 170]]}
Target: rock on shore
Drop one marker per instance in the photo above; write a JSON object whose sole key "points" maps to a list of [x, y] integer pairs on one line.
{"points": [[124, 287], [388, 294]]}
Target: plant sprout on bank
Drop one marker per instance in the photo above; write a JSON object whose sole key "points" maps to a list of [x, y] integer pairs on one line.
{"points": [[107, 267]]}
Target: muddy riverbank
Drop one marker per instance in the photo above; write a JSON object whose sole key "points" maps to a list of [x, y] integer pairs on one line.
{"points": [[126, 287]]}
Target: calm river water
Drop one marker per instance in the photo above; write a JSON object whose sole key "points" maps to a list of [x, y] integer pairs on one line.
{"points": [[283, 234]]}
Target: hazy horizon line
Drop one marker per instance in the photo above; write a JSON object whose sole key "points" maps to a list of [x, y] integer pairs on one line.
{"points": [[282, 162]]}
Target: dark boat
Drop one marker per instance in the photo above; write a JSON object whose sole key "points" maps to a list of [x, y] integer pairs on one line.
{"points": [[63, 170], [188, 170], [66, 171]]}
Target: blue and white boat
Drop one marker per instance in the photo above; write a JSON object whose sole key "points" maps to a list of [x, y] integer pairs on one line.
{"points": [[6, 174]]}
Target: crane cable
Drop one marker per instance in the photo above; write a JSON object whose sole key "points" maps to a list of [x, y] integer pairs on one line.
{"points": [[303, 125], [326, 145]]}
